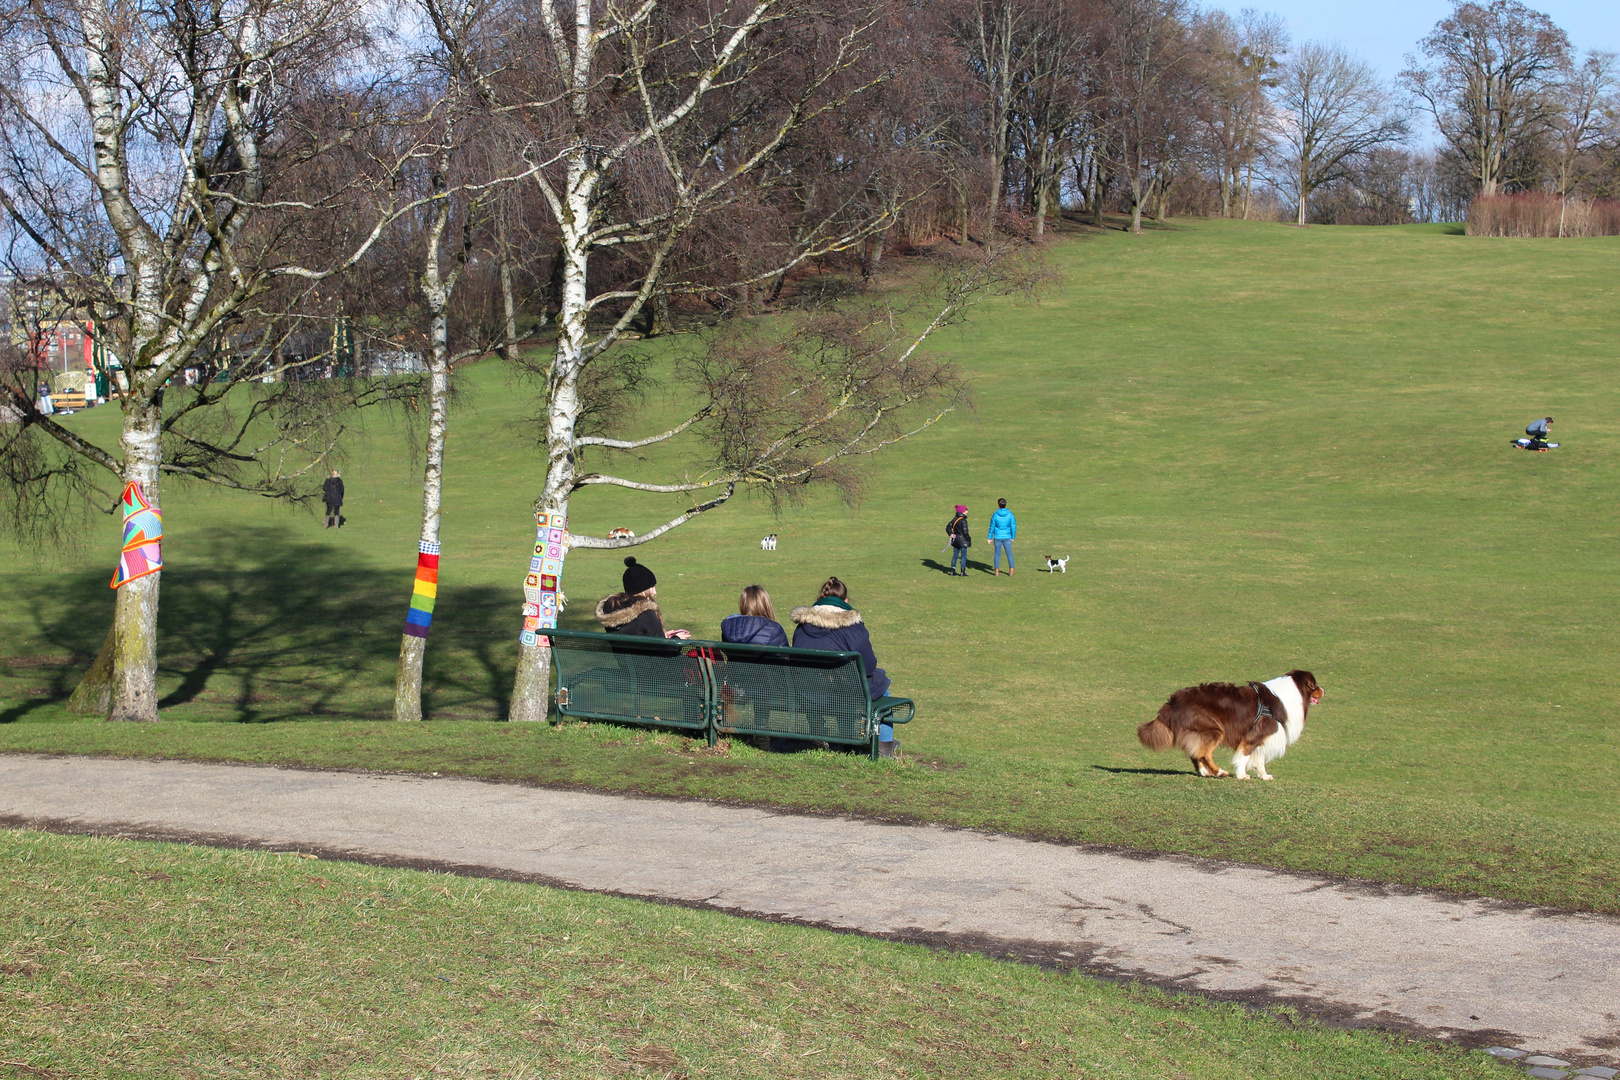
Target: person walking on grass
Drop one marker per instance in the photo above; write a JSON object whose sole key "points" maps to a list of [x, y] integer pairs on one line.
{"points": [[1003, 531], [956, 532], [332, 492]]}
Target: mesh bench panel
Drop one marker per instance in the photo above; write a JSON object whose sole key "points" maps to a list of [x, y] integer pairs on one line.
{"points": [[807, 695], [637, 680]]}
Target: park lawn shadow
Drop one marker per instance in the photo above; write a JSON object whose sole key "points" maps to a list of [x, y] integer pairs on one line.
{"points": [[267, 626], [944, 568], [1146, 772]]}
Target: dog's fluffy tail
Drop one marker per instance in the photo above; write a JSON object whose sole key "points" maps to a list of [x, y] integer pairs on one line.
{"points": [[1156, 733]]}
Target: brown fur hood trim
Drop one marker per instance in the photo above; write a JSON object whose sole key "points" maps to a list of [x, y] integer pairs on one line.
{"points": [[825, 616], [621, 608]]}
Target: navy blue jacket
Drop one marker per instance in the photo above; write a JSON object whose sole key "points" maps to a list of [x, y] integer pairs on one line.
{"points": [[752, 630], [833, 629]]}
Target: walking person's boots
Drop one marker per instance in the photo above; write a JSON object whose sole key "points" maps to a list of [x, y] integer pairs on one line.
{"points": [[889, 749]]}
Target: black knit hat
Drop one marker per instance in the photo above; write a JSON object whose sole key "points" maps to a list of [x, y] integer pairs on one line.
{"points": [[637, 578]]}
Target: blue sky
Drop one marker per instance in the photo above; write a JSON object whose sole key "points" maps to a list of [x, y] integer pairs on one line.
{"points": [[1383, 31]]}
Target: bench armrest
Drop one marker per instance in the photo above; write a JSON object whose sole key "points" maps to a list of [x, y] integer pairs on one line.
{"points": [[884, 708]]}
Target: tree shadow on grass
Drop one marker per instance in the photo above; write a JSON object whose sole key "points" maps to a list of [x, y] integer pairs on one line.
{"points": [[264, 625]]}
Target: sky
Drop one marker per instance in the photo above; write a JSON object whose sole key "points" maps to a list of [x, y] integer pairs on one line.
{"points": [[1384, 31]]}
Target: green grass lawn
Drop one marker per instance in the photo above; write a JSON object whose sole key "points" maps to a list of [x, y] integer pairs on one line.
{"points": [[120, 959], [1263, 447]]}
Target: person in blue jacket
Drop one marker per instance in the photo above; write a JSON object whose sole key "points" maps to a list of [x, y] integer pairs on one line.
{"points": [[1003, 531], [755, 622], [832, 625]]}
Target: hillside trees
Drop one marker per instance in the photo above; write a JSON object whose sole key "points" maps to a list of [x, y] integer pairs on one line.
{"points": [[1332, 111], [187, 177], [662, 141], [1487, 78], [1240, 60]]}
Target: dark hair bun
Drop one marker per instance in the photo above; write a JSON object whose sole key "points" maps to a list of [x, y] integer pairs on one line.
{"points": [[629, 560]]}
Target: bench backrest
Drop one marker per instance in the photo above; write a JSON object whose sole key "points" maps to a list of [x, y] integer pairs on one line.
{"points": [[803, 693], [627, 677], [739, 689]]}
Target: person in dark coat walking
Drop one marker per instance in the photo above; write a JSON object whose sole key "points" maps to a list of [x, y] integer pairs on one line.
{"points": [[755, 622], [832, 625], [956, 531], [332, 492], [635, 610]]}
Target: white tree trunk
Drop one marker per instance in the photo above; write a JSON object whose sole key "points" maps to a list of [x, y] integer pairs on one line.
{"points": [[531, 686], [134, 674], [412, 649]]}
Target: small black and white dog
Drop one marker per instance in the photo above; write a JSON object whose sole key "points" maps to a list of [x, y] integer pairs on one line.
{"points": [[769, 543], [1058, 566]]}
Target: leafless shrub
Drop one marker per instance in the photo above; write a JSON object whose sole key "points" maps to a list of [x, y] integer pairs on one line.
{"points": [[1540, 213]]}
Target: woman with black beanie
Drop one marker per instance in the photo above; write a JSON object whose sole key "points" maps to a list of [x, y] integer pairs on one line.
{"points": [[635, 610]]}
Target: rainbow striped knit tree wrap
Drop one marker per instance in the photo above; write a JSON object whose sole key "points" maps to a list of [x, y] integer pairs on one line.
{"points": [[420, 617], [143, 529]]}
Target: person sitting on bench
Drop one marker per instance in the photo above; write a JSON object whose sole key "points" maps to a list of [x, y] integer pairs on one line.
{"points": [[1538, 430]]}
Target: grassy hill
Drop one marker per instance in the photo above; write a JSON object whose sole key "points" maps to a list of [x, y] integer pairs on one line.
{"points": [[1263, 448]]}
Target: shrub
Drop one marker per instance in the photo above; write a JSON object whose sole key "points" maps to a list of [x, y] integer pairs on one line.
{"points": [[1541, 213]]}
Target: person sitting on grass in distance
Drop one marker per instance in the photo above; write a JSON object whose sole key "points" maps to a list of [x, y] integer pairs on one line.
{"points": [[755, 622], [635, 611], [1003, 531], [832, 625], [960, 538], [1538, 430]]}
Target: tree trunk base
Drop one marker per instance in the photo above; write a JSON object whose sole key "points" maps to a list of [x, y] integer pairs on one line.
{"points": [[408, 683], [531, 697], [93, 695]]}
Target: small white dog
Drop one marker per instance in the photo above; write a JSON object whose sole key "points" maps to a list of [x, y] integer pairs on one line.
{"points": [[1057, 566], [769, 543], [621, 533]]}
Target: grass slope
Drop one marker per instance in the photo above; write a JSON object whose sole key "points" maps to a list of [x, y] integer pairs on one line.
{"points": [[1264, 448], [120, 959]]}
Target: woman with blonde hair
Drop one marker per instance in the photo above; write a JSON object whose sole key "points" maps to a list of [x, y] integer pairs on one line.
{"points": [[755, 622]]}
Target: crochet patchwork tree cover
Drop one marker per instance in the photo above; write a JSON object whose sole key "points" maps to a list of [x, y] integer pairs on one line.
{"points": [[541, 585], [143, 531]]}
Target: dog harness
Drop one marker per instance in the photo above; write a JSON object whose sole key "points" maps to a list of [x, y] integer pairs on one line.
{"points": [[1261, 708]]}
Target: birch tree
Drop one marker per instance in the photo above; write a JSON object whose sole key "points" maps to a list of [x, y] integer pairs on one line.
{"points": [[653, 128], [165, 166]]}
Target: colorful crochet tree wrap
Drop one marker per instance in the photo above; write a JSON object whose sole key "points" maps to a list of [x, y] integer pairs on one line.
{"points": [[143, 529], [545, 571], [420, 617]]}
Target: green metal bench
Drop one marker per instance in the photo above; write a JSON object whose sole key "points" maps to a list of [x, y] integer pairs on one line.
{"points": [[721, 689]]}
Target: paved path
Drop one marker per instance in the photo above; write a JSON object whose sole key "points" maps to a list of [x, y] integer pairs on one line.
{"points": [[1478, 970]]}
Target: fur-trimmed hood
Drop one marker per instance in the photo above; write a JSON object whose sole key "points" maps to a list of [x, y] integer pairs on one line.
{"points": [[825, 616], [621, 608]]}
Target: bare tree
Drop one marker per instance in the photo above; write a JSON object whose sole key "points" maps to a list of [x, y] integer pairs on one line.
{"points": [[654, 133], [1147, 59], [165, 167], [1487, 78], [1241, 58], [995, 35], [1331, 111], [1587, 107]]}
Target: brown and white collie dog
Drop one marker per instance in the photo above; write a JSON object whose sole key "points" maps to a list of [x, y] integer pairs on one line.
{"points": [[1258, 721]]}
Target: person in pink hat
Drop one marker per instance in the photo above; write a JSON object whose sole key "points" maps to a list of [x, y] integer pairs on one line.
{"points": [[956, 531]]}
